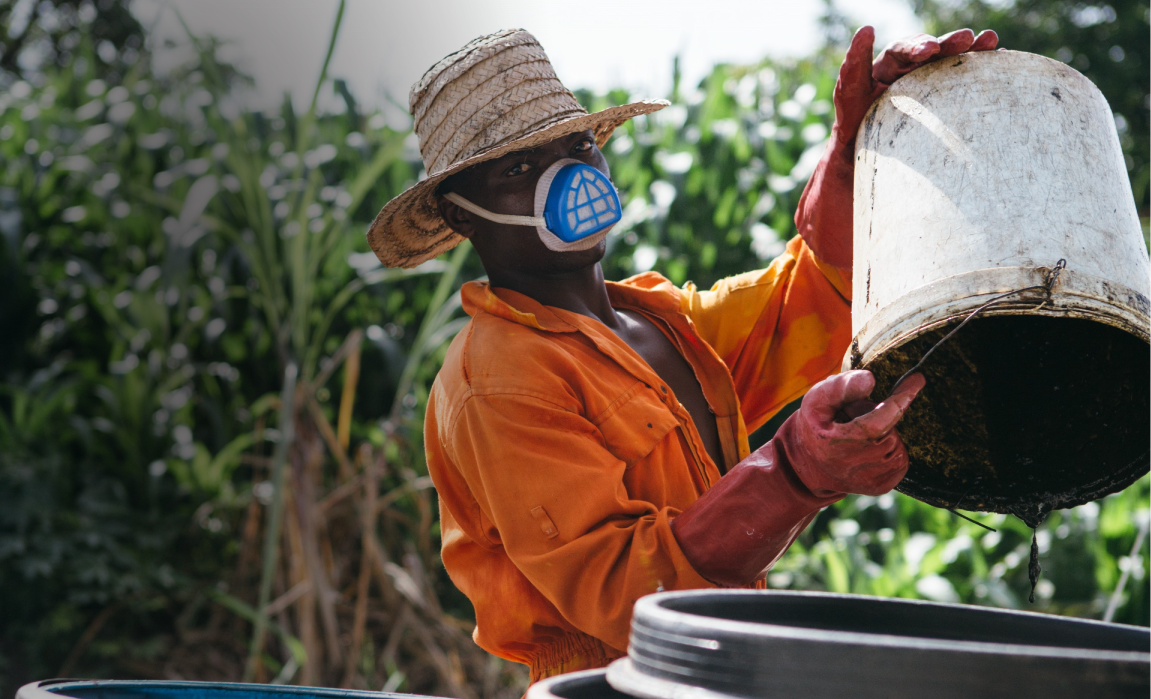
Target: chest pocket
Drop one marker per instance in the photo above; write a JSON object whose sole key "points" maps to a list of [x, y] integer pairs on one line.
{"points": [[636, 422]]}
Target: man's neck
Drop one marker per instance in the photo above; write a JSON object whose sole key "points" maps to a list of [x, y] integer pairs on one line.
{"points": [[581, 291]]}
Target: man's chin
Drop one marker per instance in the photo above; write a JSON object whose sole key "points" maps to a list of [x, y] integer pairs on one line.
{"points": [[575, 260]]}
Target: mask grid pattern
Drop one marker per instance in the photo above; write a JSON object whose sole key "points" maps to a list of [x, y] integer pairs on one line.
{"points": [[589, 203]]}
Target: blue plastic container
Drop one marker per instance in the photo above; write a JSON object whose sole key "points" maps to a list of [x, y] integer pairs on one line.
{"points": [[159, 689]]}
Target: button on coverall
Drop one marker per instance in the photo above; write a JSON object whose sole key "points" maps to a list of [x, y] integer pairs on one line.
{"points": [[560, 457]]}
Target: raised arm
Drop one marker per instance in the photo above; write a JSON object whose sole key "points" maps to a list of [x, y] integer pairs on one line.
{"points": [[782, 329]]}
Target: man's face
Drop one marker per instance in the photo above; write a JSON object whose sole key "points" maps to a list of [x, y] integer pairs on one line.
{"points": [[507, 185]]}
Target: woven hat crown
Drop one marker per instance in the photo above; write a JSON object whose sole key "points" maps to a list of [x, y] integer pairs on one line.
{"points": [[494, 90]]}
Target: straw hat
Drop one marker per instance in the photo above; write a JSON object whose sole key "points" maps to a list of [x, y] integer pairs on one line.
{"points": [[496, 95]]}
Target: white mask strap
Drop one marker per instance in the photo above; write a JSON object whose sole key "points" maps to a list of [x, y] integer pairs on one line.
{"points": [[492, 216]]}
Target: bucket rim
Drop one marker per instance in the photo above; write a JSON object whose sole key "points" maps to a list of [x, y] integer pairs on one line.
{"points": [[693, 656], [624, 676], [653, 606], [543, 688], [943, 301]]}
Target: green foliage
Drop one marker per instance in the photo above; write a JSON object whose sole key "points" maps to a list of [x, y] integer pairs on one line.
{"points": [[41, 35], [711, 182], [166, 254], [896, 546]]}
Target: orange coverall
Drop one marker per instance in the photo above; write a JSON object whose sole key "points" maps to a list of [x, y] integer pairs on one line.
{"points": [[560, 457]]}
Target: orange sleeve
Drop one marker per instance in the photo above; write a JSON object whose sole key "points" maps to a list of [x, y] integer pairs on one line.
{"points": [[779, 330], [557, 504]]}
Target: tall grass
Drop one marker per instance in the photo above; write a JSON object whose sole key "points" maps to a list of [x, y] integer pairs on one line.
{"points": [[211, 460]]}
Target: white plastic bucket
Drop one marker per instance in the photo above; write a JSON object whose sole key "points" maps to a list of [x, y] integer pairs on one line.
{"points": [[973, 177]]}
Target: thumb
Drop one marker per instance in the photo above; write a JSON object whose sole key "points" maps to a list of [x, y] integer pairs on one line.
{"points": [[829, 395], [856, 69], [883, 419], [905, 392]]}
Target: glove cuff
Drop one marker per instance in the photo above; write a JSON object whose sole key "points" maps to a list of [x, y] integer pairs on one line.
{"points": [[737, 530]]}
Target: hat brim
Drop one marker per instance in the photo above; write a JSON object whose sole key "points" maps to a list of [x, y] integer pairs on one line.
{"points": [[409, 229]]}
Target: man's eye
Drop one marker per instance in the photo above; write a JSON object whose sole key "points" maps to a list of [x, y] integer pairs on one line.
{"points": [[583, 146], [518, 169]]}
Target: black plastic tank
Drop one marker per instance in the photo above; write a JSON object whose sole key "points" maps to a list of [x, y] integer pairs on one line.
{"points": [[792, 645], [588, 684]]}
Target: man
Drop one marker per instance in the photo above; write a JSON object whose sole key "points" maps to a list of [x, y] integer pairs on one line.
{"points": [[588, 439]]}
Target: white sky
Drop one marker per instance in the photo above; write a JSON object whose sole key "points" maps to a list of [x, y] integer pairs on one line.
{"points": [[386, 45]]}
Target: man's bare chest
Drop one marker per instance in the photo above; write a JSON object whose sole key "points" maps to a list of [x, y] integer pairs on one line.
{"points": [[666, 361]]}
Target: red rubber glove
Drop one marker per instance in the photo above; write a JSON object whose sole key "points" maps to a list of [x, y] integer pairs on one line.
{"points": [[824, 214], [838, 442], [841, 442]]}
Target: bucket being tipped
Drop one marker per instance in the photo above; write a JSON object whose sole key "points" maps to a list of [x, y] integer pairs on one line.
{"points": [[974, 177]]}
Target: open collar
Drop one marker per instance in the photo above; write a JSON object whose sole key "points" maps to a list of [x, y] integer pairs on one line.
{"points": [[513, 306]]}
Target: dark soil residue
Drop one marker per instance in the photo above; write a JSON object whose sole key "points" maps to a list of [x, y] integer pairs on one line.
{"points": [[1024, 414]]}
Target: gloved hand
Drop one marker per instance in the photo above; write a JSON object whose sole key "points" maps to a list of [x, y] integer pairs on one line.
{"points": [[824, 214], [838, 442], [841, 442]]}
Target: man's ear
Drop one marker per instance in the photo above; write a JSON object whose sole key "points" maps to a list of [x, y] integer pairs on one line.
{"points": [[457, 218]]}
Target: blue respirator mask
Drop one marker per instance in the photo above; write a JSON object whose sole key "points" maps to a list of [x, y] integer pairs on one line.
{"points": [[575, 206]]}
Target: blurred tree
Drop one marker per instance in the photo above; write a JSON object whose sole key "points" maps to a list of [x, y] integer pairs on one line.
{"points": [[47, 33], [711, 182], [1107, 42], [837, 28], [145, 225]]}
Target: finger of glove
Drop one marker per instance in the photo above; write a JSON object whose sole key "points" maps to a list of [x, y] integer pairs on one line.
{"points": [[882, 473], [903, 56], [955, 43], [831, 394], [986, 41], [851, 448], [874, 480], [876, 424], [911, 386], [855, 73], [913, 49], [889, 475]]}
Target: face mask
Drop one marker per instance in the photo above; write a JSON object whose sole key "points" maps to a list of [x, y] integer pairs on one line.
{"points": [[575, 206]]}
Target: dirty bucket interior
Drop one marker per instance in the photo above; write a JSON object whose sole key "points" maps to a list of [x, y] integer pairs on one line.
{"points": [[1023, 414]]}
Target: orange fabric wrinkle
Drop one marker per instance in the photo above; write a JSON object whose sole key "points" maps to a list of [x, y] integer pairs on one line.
{"points": [[560, 458]]}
